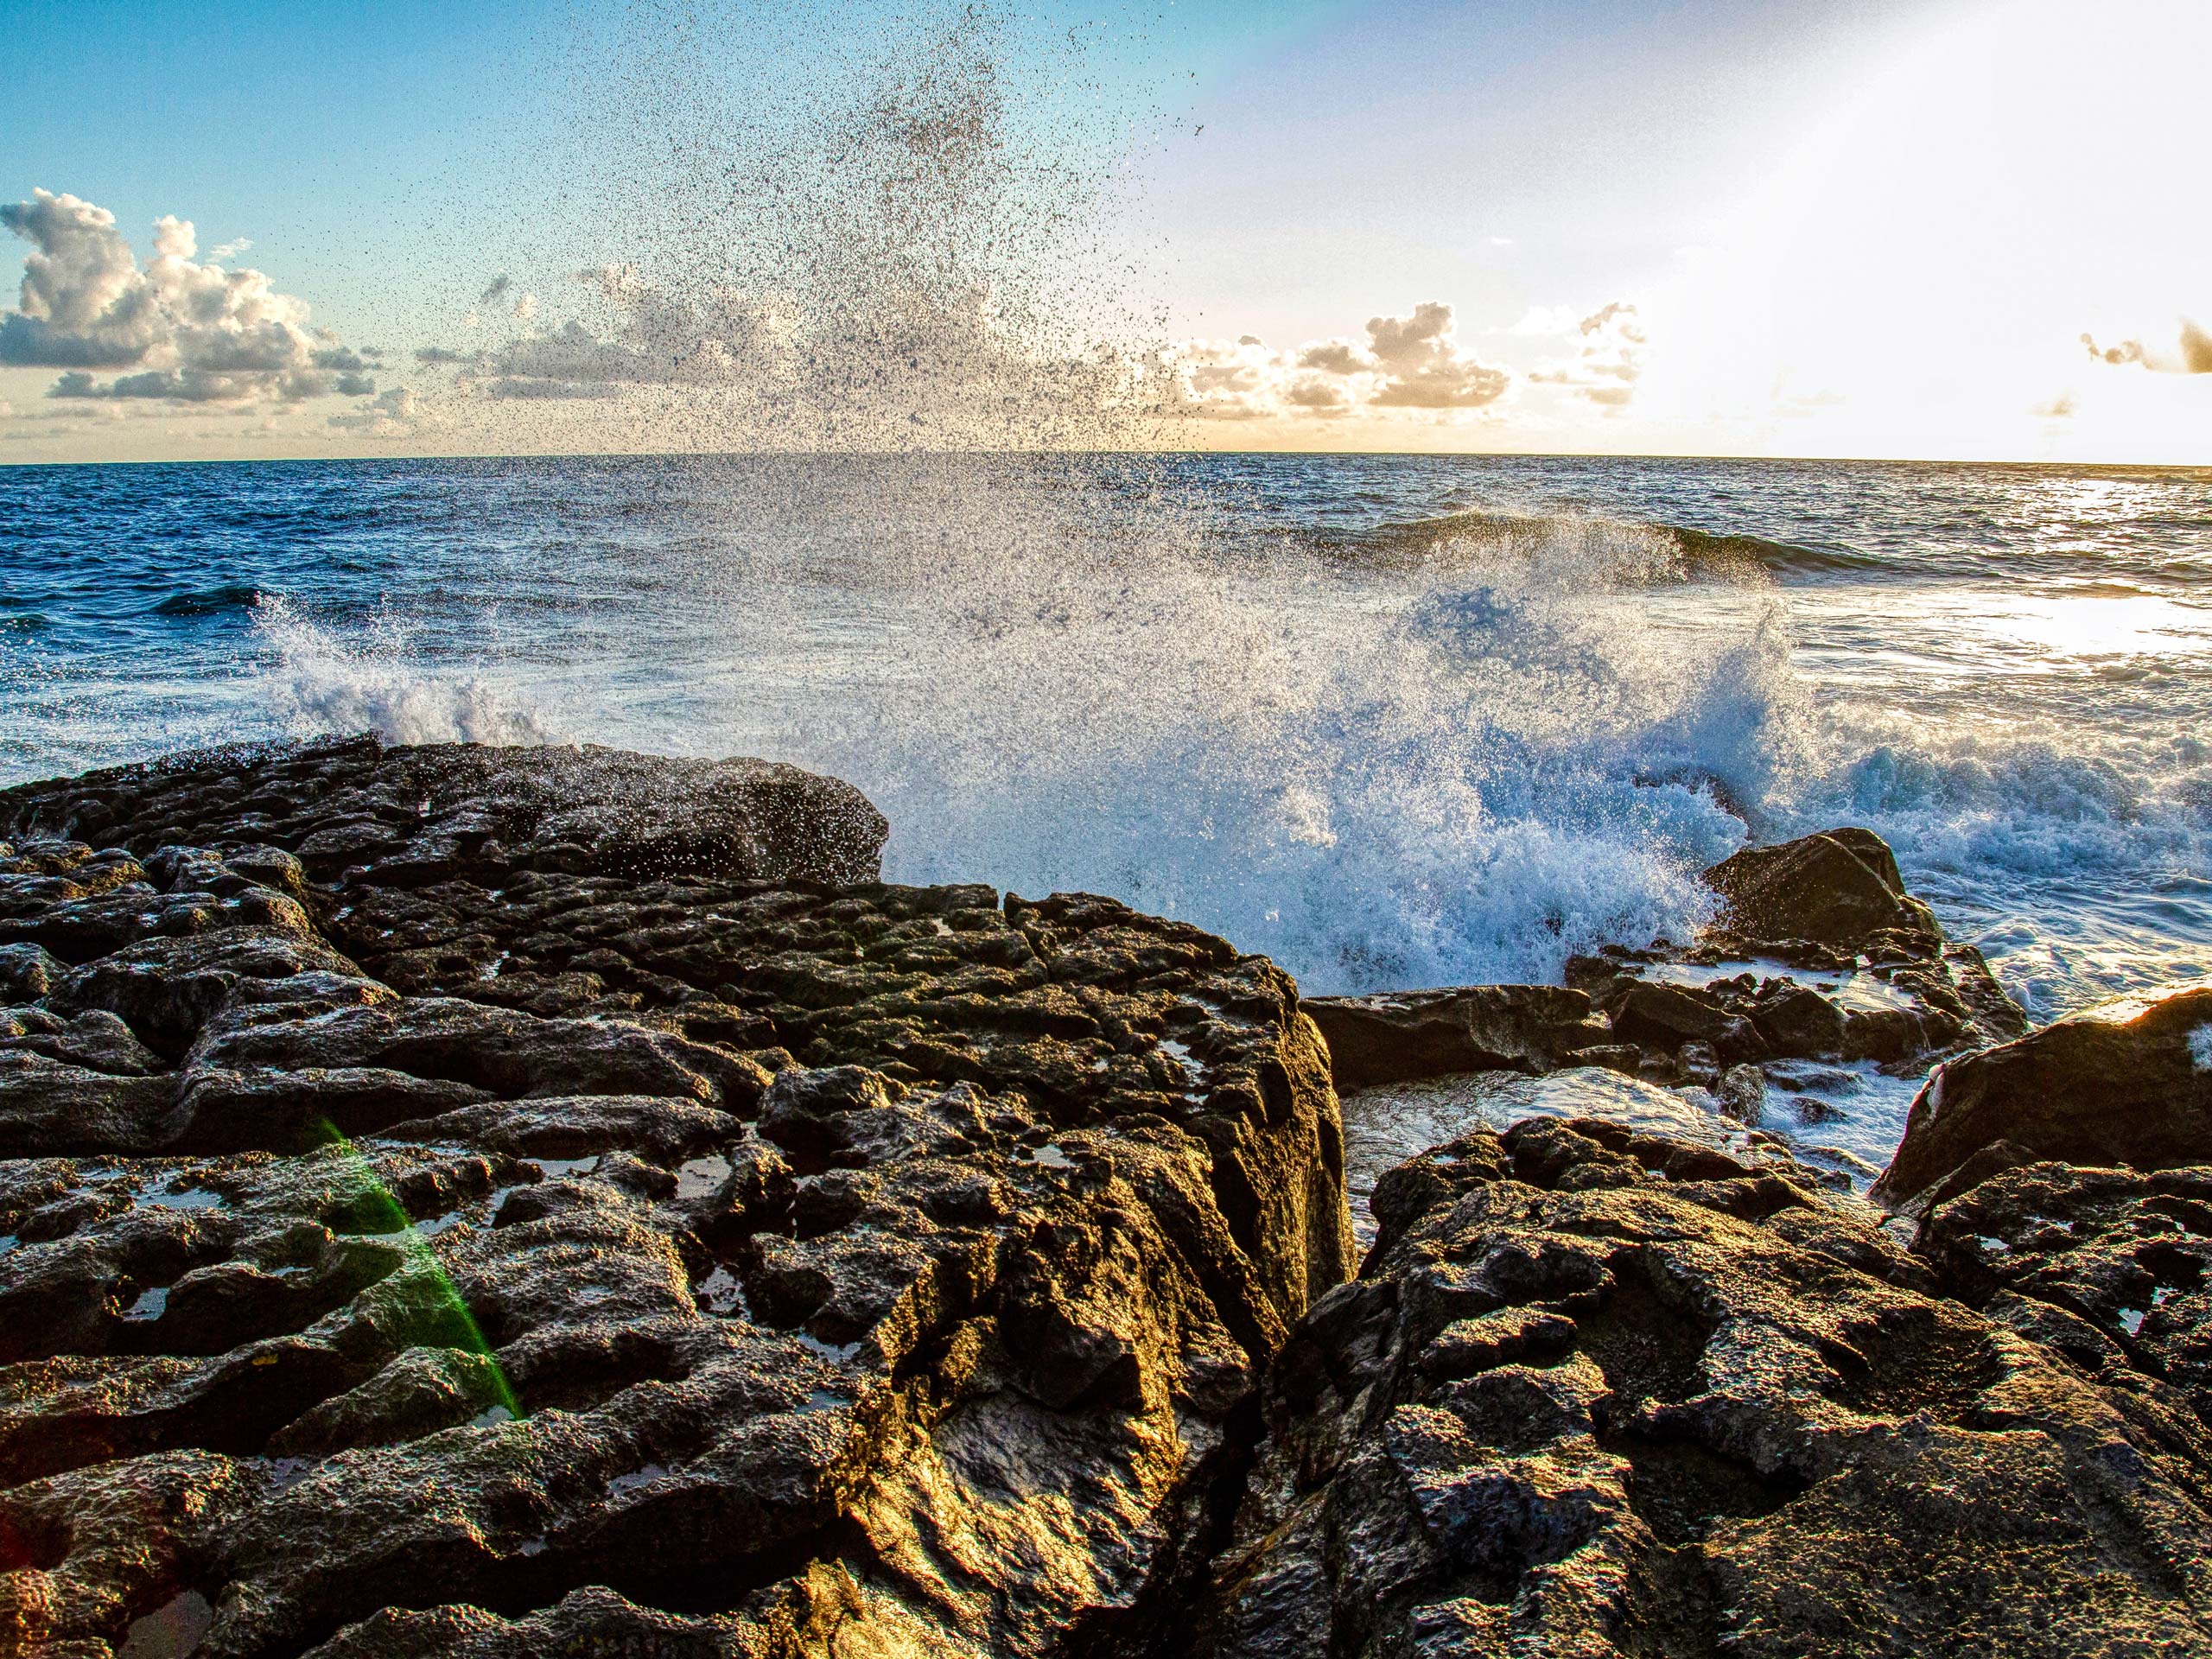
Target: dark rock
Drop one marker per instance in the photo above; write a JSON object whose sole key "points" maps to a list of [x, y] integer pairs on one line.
{"points": [[1838, 888], [2122, 1085], [426, 813], [1794, 1022], [553, 1214], [1580, 1401], [1408, 1034]]}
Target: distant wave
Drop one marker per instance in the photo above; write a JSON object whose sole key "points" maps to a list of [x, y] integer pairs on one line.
{"points": [[1695, 552], [211, 602]]}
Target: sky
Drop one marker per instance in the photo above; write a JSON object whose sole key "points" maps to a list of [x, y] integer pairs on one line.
{"points": [[1947, 229]]}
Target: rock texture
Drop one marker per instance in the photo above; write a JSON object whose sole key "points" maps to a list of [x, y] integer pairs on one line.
{"points": [[2125, 1084], [1597, 1393], [1407, 1034], [508, 1203]]}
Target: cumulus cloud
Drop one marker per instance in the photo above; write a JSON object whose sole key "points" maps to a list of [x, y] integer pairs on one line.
{"points": [[1409, 362], [1607, 359], [231, 250], [1422, 365], [526, 307], [2191, 355], [190, 333]]}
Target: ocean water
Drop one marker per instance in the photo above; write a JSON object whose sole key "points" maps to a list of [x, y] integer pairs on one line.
{"points": [[1396, 721]]}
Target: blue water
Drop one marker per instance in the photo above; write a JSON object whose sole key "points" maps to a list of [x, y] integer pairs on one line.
{"points": [[1394, 720]]}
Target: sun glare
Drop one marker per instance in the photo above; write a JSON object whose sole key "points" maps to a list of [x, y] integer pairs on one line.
{"points": [[1913, 275]]}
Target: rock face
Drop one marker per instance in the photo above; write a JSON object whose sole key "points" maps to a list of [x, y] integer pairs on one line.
{"points": [[1839, 888], [2122, 1084], [1597, 1393], [1407, 1034], [502, 1203]]}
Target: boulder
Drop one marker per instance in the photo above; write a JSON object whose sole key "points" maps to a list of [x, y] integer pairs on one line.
{"points": [[1839, 888], [1594, 1395], [2125, 1084], [1407, 1035]]}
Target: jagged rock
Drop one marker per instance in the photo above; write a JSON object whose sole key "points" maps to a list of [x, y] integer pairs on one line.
{"points": [[1839, 888], [2106, 1267], [508, 1221], [2125, 1084], [1597, 1395], [1407, 1034], [1391, 1123]]}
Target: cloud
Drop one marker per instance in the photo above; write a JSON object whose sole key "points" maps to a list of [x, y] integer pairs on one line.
{"points": [[193, 333], [1422, 367], [1607, 360], [2192, 354], [397, 413], [498, 286], [656, 337], [2060, 408], [1410, 362], [231, 250]]}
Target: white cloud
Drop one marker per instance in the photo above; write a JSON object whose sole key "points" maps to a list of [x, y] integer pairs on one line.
{"points": [[1423, 366], [655, 337], [192, 334], [1411, 362], [1608, 359], [231, 250]]}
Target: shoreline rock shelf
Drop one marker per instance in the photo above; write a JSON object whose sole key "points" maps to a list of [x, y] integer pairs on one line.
{"points": [[542, 1223], [495, 1203]]}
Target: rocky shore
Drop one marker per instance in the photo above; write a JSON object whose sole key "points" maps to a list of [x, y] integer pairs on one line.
{"points": [[482, 1201]]}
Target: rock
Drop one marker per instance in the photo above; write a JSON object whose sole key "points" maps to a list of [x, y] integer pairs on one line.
{"points": [[558, 1224], [427, 813], [2122, 1084], [1390, 1122], [1407, 1034], [1667, 1016], [1580, 1401], [1839, 888]]}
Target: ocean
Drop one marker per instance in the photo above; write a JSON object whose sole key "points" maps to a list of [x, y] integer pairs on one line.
{"points": [[1396, 721]]}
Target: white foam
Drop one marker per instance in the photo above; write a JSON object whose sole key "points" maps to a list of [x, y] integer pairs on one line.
{"points": [[323, 681]]}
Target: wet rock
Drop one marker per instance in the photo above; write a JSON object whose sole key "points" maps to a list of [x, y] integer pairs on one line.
{"points": [[426, 813], [557, 1211], [1407, 1034], [1586, 1400], [1838, 888], [2126, 1084]]}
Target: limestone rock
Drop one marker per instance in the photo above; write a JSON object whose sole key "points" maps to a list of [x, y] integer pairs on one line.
{"points": [[1593, 1394], [508, 1202], [1407, 1035], [2122, 1084]]}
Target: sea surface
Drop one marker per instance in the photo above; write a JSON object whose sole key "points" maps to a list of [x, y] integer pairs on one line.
{"points": [[1396, 721]]}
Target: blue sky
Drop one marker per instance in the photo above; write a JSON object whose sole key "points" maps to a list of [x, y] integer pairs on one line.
{"points": [[1728, 169]]}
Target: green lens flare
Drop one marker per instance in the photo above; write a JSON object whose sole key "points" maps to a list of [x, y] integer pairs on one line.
{"points": [[436, 1315]]}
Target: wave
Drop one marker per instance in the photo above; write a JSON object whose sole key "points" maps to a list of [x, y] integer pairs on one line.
{"points": [[211, 602], [1653, 553], [322, 681]]}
